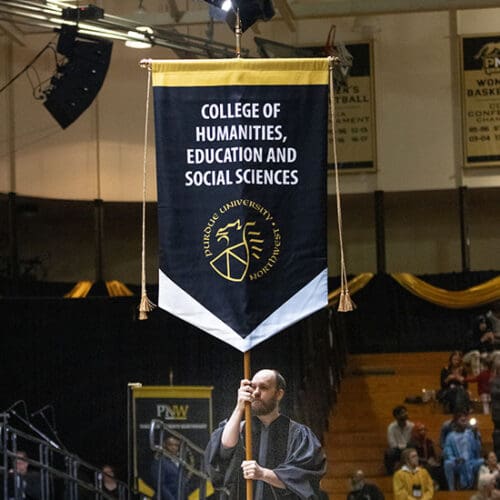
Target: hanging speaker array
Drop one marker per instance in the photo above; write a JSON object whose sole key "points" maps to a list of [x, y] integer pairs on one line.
{"points": [[78, 80]]}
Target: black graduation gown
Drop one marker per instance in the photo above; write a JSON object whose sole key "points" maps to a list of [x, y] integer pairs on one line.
{"points": [[290, 449]]}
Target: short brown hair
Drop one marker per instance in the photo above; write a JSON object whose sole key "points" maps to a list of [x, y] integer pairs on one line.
{"points": [[405, 454], [280, 380]]}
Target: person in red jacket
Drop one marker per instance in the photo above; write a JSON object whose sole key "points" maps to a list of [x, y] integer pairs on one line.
{"points": [[483, 380]]}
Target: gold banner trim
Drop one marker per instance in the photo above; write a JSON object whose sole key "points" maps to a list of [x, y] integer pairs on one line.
{"points": [[216, 72]]}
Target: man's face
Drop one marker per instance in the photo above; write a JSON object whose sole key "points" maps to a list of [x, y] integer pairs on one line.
{"points": [[108, 471], [402, 417], [462, 422], [413, 459], [21, 464], [266, 396], [172, 445]]}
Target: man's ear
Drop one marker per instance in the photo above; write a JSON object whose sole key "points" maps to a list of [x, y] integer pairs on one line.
{"points": [[281, 393]]}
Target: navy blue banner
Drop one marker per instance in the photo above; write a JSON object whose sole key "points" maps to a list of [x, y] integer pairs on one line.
{"points": [[242, 205]]}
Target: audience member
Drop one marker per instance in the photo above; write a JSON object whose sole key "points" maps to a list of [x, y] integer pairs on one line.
{"points": [[448, 426], [462, 455], [483, 380], [490, 465], [398, 436], [361, 490], [109, 483], [495, 405], [165, 471], [453, 393], [24, 483], [485, 488], [485, 337], [412, 481], [427, 455]]}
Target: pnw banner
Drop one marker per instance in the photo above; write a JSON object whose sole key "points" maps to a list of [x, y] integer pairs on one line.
{"points": [[241, 173]]}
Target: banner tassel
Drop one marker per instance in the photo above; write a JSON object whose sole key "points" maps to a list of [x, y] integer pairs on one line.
{"points": [[345, 302], [145, 305]]}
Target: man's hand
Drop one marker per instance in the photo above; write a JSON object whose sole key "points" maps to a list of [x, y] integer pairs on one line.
{"points": [[245, 394], [488, 337], [231, 433], [252, 470]]}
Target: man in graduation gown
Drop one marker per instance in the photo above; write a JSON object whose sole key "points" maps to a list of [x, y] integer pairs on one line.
{"points": [[288, 461]]}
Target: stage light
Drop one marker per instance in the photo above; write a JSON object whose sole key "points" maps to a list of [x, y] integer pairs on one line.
{"points": [[78, 81], [141, 38], [90, 12], [250, 11]]}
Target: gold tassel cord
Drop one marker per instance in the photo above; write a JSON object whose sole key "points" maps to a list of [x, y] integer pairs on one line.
{"points": [[145, 306], [345, 302], [354, 285]]}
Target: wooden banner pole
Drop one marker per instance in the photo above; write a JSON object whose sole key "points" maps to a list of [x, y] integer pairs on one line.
{"points": [[248, 422]]}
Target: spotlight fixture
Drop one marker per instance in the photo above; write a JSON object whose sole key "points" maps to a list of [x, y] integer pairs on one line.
{"points": [[141, 38], [90, 12], [250, 11], [78, 81]]}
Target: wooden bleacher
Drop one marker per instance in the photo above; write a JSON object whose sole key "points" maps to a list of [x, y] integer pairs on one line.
{"points": [[372, 386]]}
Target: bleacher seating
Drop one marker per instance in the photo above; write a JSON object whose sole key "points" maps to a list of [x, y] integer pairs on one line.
{"points": [[372, 386]]}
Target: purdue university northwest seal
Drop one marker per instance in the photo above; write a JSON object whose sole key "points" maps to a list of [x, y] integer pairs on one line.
{"points": [[241, 240]]}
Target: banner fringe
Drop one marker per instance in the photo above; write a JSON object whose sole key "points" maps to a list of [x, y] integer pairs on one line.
{"points": [[346, 304], [145, 307]]}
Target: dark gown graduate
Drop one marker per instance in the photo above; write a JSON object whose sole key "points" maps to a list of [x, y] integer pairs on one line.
{"points": [[290, 450]]}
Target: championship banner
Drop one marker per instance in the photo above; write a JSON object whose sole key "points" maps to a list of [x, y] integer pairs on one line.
{"points": [[480, 60], [241, 171], [356, 139]]}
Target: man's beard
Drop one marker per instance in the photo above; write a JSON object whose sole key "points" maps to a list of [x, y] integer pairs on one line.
{"points": [[260, 407]]}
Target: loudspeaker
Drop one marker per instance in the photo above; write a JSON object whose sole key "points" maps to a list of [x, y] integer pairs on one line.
{"points": [[77, 82], [251, 11]]}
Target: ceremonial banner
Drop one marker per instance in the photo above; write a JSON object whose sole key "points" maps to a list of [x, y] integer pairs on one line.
{"points": [[241, 166], [480, 57]]}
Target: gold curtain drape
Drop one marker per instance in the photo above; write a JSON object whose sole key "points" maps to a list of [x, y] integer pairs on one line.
{"points": [[118, 289], [80, 290], [115, 288], [475, 296]]}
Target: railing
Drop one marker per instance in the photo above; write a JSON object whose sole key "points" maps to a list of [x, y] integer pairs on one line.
{"points": [[190, 459], [53, 473]]}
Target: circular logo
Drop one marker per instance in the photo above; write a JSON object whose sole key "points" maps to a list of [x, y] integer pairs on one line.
{"points": [[241, 240]]}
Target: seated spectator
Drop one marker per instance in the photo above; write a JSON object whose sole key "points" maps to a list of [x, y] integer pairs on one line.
{"points": [[398, 437], [485, 488], [166, 472], [462, 455], [109, 483], [427, 455], [483, 380], [412, 481], [448, 426], [485, 337], [362, 490], [23, 483], [490, 465], [453, 393]]}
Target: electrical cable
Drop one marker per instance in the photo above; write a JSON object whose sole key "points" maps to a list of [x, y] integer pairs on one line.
{"points": [[14, 78]]}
